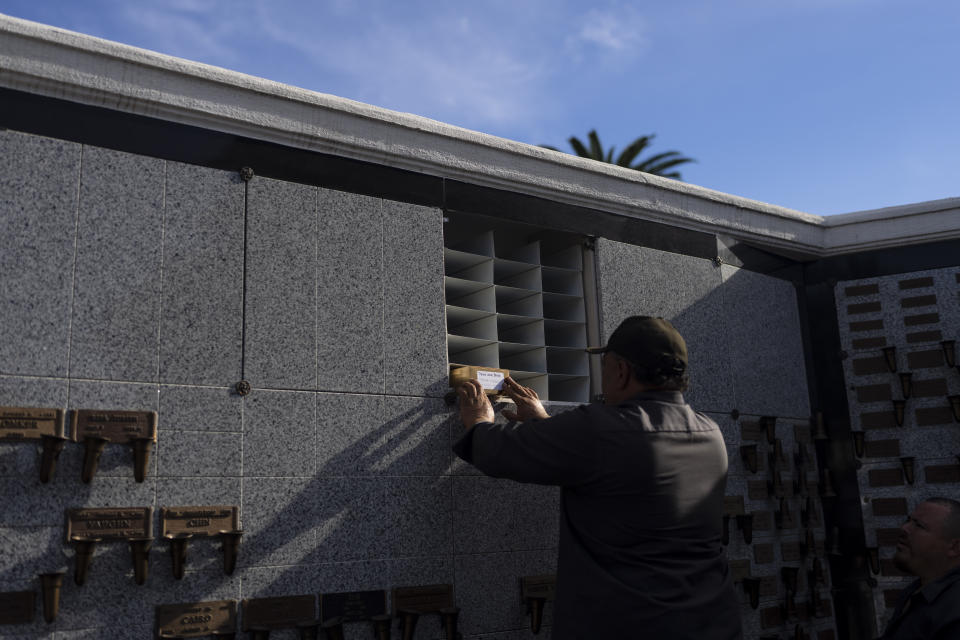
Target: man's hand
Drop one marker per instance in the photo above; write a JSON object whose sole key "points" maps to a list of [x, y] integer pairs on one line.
{"points": [[526, 399], [474, 405]]}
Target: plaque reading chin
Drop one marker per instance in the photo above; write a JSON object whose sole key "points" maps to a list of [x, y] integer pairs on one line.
{"points": [[199, 521], [27, 423], [118, 427], [110, 524]]}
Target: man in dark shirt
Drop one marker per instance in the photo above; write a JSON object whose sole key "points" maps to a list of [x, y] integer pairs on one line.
{"points": [[929, 548], [643, 478]]}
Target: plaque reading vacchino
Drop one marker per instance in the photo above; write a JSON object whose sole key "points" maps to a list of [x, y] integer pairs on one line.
{"points": [[28, 423]]}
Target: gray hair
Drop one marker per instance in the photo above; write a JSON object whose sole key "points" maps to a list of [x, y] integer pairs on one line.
{"points": [[951, 526]]}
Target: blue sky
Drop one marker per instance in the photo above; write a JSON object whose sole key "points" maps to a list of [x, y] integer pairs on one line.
{"points": [[826, 106]]}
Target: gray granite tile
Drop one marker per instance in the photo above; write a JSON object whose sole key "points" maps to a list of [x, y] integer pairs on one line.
{"points": [[199, 409], [355, 519], [201, 313], [348, 428], [23, 458], [281, 338], [38, 203], [350, 337], [117, 459], [415, 349], [279, 434], [26, 552], [114, 632], [198, 454], [412, 437], [501, 515], [27, 503], [423, 515], [117, 291], [764, 344], [684, 290], [280, 521], [488, 591]]}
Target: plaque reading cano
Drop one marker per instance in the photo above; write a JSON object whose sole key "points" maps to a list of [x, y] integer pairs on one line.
{"points": [[26, 423], [17, 607], [200, 521], [116, 426], [196, 619], [427, 599], [278, 613], [110, 524]]}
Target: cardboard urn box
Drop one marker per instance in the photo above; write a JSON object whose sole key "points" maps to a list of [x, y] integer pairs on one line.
{"points": [[490, 378]]}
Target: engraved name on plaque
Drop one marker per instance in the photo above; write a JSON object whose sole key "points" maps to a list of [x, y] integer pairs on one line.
{"points": [[117, 427], [199, 521], [17, 607], [424, 599], [196, 619], [278, 613], [26, 423], [353, 606], [538, 587], [110, 524]]}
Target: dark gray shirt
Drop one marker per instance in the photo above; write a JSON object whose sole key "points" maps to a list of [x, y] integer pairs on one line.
{"points": [[927, 613], [641, 506]]}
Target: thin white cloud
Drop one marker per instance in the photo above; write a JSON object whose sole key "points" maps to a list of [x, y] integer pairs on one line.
{"points": [[614, 32]]}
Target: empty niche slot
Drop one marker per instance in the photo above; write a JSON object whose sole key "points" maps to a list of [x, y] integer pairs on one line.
{"points": [[565, 256], [536, 381], [520, 329], [517, 274], [567, 361], [523, 357], [469, 294], [467, 266], [563, 307], [519, 302], [515, 244], [563, 333], [468, 239], [566, 281], [472, 351], [569, 388], [471, 323]]}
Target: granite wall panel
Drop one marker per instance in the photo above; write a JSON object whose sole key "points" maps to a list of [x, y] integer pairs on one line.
{"points": [[116, 299], [201, 312], [38, 221]]}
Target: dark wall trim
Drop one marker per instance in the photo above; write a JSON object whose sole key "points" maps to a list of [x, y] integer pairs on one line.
{"points": [[885, 262]]}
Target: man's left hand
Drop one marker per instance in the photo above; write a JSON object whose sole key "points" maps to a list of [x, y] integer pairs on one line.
{"points": [[475, 407]]}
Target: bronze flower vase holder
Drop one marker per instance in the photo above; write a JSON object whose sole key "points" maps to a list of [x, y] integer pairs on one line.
{"points": [[949, 352], [899, 411], [858, 443], [751, 586], [332, 630], [140, 550], [50, 586], [231, 549], [873, 557], [955, 407], [408, 623], [909, 468], [769, 426], [890, 358], [448, 622], [52, 446], [535, 610], [745, 525], [92, 448], [178, 552], [381, 626], [141, 457], [84, 548], [748, 454]]}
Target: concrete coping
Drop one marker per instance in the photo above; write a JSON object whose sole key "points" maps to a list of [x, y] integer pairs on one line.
{"points": [[62, 64]]}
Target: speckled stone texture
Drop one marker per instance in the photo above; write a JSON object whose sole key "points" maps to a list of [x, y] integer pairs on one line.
{"points": [[201, 314], [415, 349], [117, 292], [281, 285], [764, 344], [279, 434], [684, 290], [350, 332], [38, 213], [492, 515], [199, 409]]}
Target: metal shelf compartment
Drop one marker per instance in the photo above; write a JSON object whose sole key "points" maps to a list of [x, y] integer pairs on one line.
{"points": [[515, 300]]}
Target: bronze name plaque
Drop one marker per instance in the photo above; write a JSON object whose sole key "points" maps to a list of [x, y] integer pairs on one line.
{"points": [[110, 524], [733, 506], [353, 606], [278, 613], [17, 607], [538, 587], [200, 521], [426, 599], [196, 619], [120, 427], [26, 423]]}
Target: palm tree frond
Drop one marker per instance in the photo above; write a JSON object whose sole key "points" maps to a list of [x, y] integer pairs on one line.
{"points": [[578, 147], [632, 150], [596, 149]]}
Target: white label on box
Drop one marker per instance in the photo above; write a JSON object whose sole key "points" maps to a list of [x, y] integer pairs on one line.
{"points": [[490, 379]]}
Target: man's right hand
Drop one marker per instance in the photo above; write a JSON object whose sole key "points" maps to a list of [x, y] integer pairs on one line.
{"points": [[526, 399]]}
